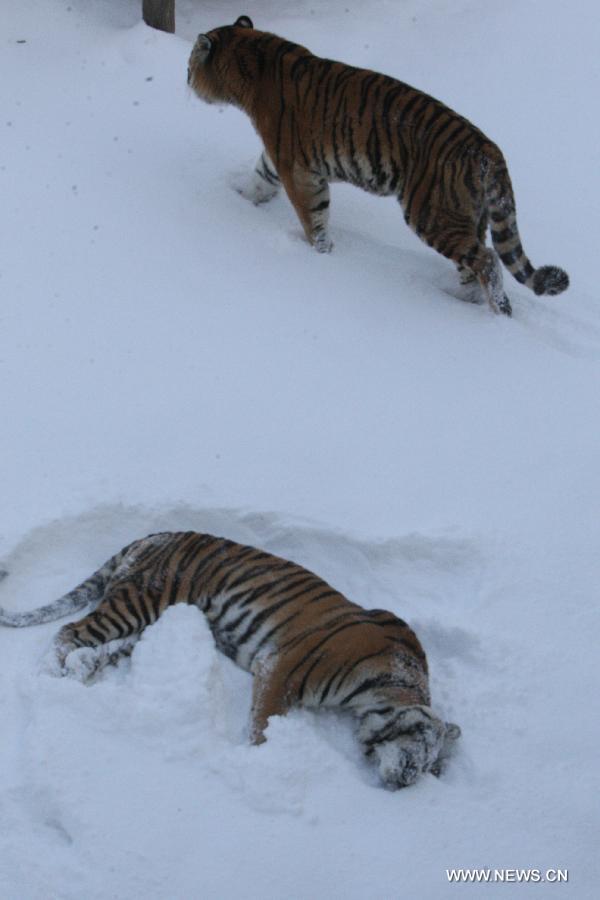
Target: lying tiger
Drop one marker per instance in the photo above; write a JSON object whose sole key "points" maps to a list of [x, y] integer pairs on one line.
{"points": [[304, 642], [322, 121]]}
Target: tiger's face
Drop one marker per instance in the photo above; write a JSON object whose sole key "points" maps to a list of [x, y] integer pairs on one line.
{"points": [[419, 746], [210, 73]]}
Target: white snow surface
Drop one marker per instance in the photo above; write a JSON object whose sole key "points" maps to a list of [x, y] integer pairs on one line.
{"points": [[173, 358]]}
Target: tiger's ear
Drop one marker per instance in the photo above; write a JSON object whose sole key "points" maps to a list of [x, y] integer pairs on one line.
{"points": [[453, 732], [202, 46], [243, 22]]}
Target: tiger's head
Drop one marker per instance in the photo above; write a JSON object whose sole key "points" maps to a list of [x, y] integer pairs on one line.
{"points": [[211, 72], [415, 741]]}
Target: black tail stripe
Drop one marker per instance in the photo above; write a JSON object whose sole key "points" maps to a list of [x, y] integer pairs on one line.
{"points": [[501, 237]]}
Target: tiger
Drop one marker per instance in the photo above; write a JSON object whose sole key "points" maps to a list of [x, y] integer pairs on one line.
{"points": [[322, 121], [305, 644]]}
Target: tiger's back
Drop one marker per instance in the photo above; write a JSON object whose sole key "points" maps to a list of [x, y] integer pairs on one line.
{"points": [[323, 121]]}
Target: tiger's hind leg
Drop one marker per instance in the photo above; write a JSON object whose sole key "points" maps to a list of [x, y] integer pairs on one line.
{"points": [[83, 663], [486, 267], [470, 289], [264, 183], [474, 292], [103, 636], [474, 289], [461, 238], [309, 195]]}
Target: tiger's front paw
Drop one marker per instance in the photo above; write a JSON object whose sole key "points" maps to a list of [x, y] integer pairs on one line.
{"points": [[256, 190], [322, 242]]}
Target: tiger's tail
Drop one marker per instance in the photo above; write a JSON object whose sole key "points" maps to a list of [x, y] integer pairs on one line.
{"points": [[89, 591], [506, 238]]}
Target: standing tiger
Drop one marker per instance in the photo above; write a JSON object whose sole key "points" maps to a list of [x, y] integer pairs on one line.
{"points": [[304, 642], [322, 121]]}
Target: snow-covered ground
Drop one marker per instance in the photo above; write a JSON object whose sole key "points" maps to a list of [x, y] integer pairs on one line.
{"points": [[172, 357]]}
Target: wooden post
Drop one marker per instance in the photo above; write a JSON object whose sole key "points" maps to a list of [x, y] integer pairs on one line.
{"points": [[159, 14]]}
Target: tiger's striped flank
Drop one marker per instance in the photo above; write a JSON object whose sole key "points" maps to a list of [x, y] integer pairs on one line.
{"points": [[303, 641], [322, 121]]}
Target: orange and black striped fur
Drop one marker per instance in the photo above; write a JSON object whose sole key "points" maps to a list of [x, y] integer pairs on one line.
{"points": [[322, 121], [305, 643]]}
